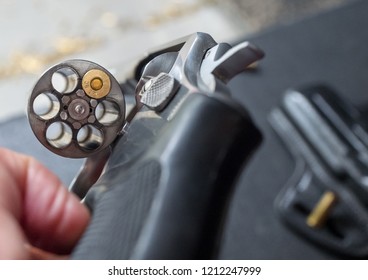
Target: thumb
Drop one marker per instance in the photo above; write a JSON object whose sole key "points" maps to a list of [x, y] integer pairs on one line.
{"points": [[35, 208]]}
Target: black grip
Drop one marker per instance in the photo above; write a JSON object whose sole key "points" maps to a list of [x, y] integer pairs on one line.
{"points": [[119, 215], [170, 203]]}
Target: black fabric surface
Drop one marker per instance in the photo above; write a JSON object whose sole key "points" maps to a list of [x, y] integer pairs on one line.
{"points": [[330, 48]]}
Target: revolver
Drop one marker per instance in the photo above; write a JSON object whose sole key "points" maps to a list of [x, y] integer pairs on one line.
{"points": [[163, 148]]}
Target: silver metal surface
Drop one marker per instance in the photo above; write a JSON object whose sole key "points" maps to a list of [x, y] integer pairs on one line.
{"points": [[156, 92], [224, 62], [89, 173], [198, 64], [69, 122]]}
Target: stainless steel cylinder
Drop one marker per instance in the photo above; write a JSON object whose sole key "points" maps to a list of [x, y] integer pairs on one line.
{"points": [[76, 109]]}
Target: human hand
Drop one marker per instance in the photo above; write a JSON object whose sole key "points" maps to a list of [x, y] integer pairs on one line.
{"points": [[38, 216]]}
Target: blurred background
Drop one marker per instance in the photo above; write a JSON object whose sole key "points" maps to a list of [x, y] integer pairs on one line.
{"points": [[39, 33]]}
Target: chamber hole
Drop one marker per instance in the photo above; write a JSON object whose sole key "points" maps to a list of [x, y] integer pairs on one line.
{"points": [[89, 137], [64, 80], [107, 112], [46, 106], [59, 135]]}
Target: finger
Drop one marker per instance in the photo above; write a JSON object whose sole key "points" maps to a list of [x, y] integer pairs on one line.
{"points": [[11, 238], [39, 254], [51, 217], [54, 219]]}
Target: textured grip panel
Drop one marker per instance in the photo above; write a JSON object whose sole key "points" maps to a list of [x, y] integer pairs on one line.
{"points": [[120, 214]]}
